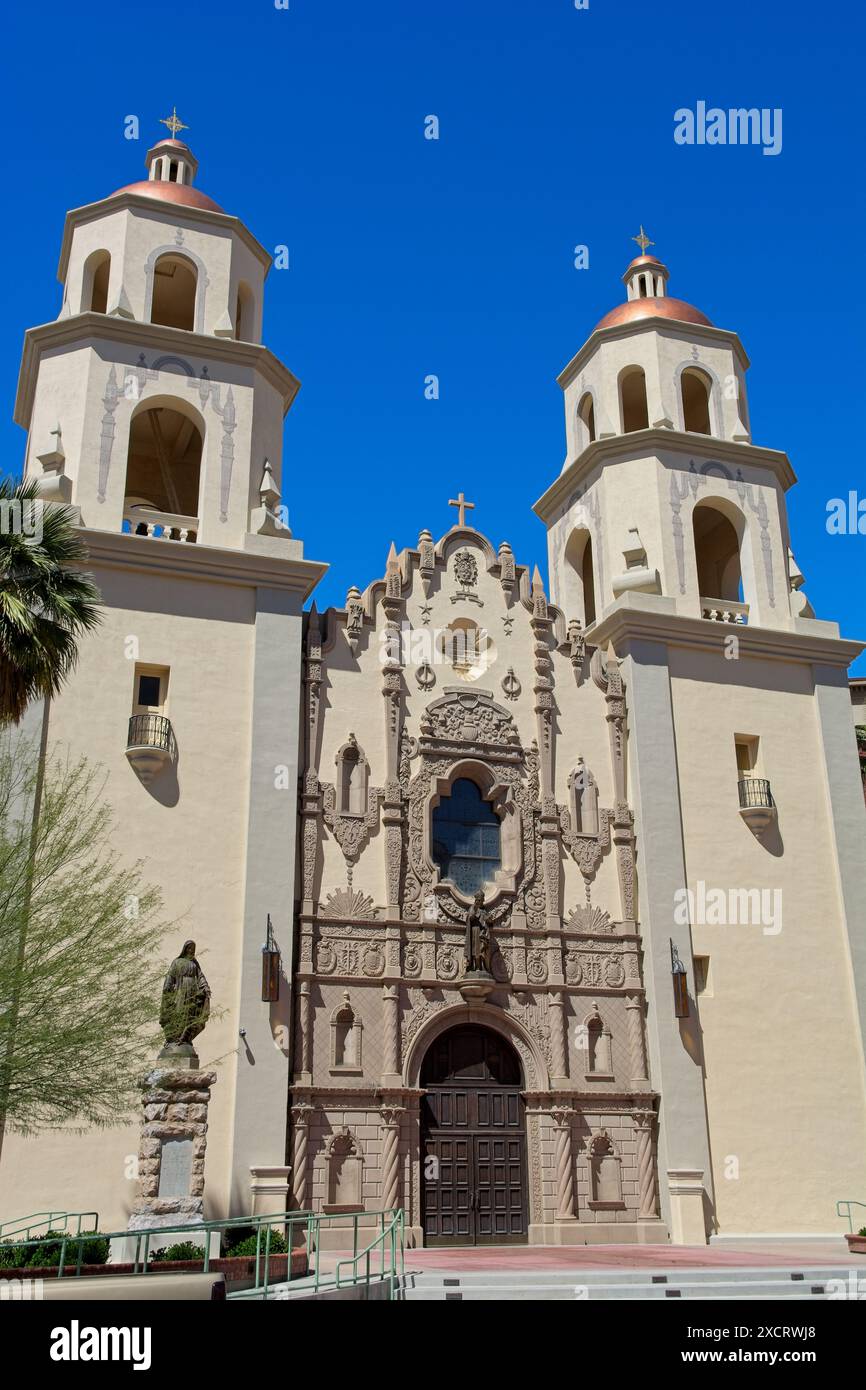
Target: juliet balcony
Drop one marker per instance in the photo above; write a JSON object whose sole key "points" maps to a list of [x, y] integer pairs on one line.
{"points": [[150, 745], [757, 807]]}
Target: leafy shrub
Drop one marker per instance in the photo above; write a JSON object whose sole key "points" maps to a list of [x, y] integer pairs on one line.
{"points": [[862, 1231], [247, 1246], [19, 1255], [184, 1250]]}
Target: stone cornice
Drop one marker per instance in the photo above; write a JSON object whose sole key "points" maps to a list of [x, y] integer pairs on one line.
{"points": [[83, 329], [209, 564], [172, 213], [666, 328], [705, 447], [627, 620]]}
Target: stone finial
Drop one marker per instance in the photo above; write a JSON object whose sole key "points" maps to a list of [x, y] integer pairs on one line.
{"points": [[392, 574], [120, 308], [427, 563], [314, 633], [507, 571], [539, 598], [268, 490], [267, 518], [354, 616]]}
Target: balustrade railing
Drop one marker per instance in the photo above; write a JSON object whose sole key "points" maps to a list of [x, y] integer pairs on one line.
{"points": [[162, 526], [717, 610]]}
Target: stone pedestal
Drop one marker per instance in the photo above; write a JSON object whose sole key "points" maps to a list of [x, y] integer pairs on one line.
{"points": [[476, 984], [171, 1157], [269, 1190]]}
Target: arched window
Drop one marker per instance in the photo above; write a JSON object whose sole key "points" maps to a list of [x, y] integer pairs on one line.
{"points": [[162, 467], [579, 577], [632, 392], [244, 313], [94, 289], [586, 421], [717, 554], [174, 291], [696, 387], [598, 1042], [466, 837]]}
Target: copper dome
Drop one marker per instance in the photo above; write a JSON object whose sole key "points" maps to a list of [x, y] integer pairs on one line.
{"points": [[664, 307], [170, 193]]}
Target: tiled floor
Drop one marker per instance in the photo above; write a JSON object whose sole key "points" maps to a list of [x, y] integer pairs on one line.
{"points": [[732, 1255]]}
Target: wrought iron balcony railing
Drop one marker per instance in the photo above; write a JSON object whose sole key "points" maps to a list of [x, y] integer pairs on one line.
{"points": [[755, 791], [150, 744]]}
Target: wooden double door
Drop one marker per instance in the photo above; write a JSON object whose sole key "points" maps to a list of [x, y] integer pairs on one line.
{"points": [[473, 1151]]}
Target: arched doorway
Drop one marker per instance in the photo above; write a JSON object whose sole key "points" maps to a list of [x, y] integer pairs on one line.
{"points": [[473, 1140]]}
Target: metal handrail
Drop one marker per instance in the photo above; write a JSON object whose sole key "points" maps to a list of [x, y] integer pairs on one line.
{"points": [[49, 1219], [72, 1246], [849, 1203], [755, 791], [395, 1226]]}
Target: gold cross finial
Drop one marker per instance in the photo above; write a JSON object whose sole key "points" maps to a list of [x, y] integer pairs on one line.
{"points": [[461, 504], [174, 124], [643, 241]]}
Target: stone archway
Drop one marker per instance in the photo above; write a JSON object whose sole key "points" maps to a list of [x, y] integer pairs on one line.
{"points": [[474, 1181]]}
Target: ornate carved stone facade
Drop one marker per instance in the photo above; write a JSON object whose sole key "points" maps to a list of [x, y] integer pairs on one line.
{"points": [[381, 926]]}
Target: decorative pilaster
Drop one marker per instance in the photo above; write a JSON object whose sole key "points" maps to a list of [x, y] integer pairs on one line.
{"points": [[646, 1177], [305, 1030], [562, 1118], [391, 1117], [558, 1039], [392, 690], [301, 1117], [636, 1040], [391, 1036], [541, 624]]}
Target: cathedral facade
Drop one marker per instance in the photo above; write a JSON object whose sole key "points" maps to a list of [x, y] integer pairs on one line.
{"points": [[565, 879]]}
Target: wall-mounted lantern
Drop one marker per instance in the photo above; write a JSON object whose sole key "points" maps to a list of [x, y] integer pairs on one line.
{"points": [[270, 968], [681, 985]]}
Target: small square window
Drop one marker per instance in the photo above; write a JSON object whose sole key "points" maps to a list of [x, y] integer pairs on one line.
{"points": [[149, 690]]}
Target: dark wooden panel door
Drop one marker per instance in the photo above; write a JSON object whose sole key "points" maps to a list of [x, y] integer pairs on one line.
{"points": [[474, 1187], [500, 1190]]}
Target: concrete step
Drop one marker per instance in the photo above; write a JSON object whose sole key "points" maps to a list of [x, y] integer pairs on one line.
{"points": [[583, 1285], [561, 1293], [662, 1275]]}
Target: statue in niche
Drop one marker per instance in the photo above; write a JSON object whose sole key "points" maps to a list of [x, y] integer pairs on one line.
{"points": [[478, 947], [185, 1003]]}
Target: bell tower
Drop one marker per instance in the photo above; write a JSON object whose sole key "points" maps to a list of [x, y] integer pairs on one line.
{"points": [[153, 408], [151, 403], [669, 549]]}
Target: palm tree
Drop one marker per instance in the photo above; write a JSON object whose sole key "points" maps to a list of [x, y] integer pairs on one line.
{"points": [[46, 603]]}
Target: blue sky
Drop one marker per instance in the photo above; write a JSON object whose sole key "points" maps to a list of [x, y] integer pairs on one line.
{"points": [[455, 257]]}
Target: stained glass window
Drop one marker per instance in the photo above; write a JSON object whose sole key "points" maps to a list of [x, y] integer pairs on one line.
{"points": [[466, 837]]}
